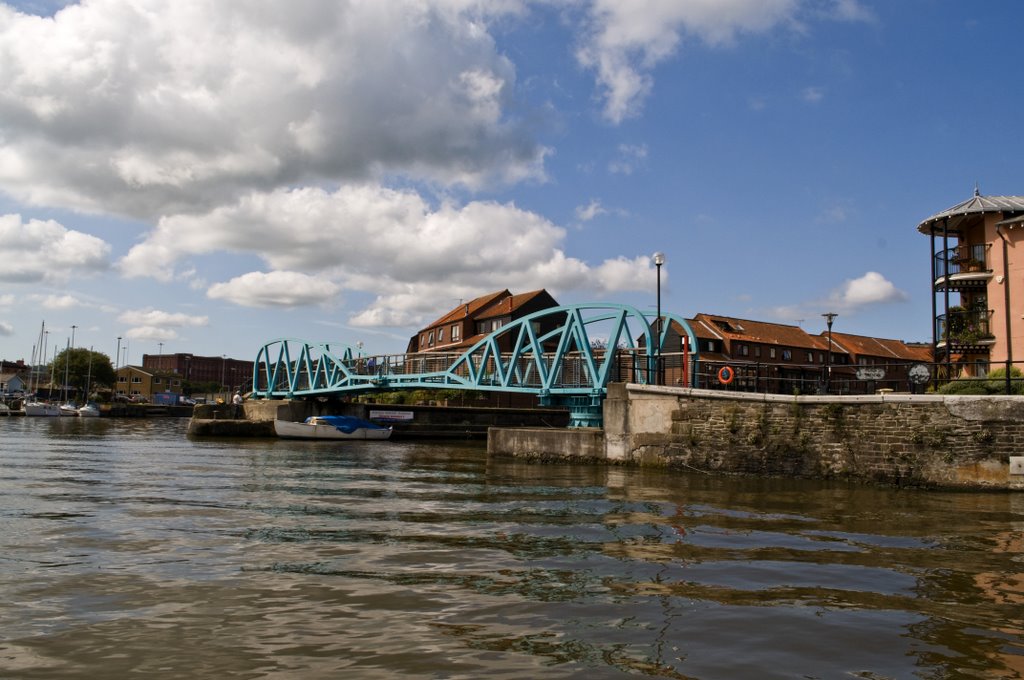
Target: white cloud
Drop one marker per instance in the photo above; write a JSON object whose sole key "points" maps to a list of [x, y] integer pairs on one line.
{"points": [[151, 108], [40, 250], [6, 300], [870, 289], [627, 39], [585, 213], [155, 317], [60, 302], [6, 329], [852, 10], [276, 289], [157, 325], [631, 157], [853, 296], [373, 239], [812, 95], [153, 333]]}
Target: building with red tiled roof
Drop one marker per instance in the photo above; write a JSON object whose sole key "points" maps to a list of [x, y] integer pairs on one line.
{"points": [[783, 358], [466, 324], [764, 356]]}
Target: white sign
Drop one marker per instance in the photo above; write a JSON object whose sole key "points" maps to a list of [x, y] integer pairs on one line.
{"points": [[875, 373], [390, 415], [920, 374]]}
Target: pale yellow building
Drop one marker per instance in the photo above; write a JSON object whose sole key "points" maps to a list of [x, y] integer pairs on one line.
{"points": [[138, 382]]}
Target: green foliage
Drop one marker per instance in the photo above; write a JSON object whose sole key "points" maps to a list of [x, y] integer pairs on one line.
{"points": [[970, 386], [993, 383], [997, 381], [86, 369]]}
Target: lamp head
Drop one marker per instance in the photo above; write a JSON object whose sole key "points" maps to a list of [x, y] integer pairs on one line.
{"points": [[659, 259]]}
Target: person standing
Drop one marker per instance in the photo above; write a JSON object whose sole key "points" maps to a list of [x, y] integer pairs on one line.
{"points": [[237, 401]]}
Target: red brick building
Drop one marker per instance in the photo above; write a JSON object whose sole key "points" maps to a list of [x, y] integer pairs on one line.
{"points": [[233, 373]]}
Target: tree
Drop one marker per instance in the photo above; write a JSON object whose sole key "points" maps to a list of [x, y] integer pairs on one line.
{"points": [[86, 369]]}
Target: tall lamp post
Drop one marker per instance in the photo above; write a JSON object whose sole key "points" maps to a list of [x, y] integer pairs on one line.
{"points": [[659, 259], [829, 318]]}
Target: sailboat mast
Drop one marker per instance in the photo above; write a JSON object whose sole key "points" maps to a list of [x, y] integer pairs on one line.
{"points": [[67, 365]]}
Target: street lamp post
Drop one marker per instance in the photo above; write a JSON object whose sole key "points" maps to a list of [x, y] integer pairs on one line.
{"points": [[659, 259], [829, 318]]}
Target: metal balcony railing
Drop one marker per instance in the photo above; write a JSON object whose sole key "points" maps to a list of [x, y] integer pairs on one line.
{"points": [[963, 327], [962, 259]]}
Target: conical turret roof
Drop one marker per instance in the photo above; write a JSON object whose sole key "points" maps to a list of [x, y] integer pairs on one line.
{"points": [[972, 207]]}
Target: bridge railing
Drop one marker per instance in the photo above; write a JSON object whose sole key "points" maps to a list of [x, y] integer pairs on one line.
{"points": [[557, 353]]}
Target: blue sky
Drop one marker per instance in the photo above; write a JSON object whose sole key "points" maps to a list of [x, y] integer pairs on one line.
{"points": [[205, 177]]}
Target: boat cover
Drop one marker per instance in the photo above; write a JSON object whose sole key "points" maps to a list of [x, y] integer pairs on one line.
{"points": [[347, 424]]}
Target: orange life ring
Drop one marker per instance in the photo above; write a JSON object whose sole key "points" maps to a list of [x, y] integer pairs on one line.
{"points": [[726, 375]]}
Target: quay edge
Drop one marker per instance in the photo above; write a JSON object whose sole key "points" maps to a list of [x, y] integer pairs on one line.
{"points": [[929, 441], [425, 421]]}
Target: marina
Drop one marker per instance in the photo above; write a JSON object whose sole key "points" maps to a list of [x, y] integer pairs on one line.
{"points": [[131, 548]]}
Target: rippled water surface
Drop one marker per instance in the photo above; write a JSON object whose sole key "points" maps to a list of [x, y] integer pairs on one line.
{"points": [[129, 550]]}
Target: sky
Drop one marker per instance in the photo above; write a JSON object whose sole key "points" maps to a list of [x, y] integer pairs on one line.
{"points": [[204, 176]]}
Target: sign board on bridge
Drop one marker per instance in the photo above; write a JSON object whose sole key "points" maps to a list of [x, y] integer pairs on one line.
{"points": [[390, 416], [872, 373]]}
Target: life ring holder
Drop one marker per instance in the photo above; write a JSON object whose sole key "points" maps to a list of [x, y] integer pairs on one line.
{"points": [[726, 375]]}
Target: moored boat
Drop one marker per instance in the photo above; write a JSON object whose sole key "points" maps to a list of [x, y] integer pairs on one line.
{"points": [[331, 427], [41, 408], [90, 410], [69, 409]]}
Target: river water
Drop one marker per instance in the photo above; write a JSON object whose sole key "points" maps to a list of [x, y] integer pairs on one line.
{"points": [[129, 550]]}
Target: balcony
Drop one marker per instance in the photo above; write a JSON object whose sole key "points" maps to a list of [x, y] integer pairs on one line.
{"points": [[965, 330], [967, 266]]}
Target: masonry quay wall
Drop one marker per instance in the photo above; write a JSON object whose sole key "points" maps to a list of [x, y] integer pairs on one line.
{"points": [[915, 440]]}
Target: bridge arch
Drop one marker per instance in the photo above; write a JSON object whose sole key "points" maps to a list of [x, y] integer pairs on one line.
{"points": [[564, 355]]}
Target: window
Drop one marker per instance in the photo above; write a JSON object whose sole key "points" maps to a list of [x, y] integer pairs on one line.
{"points": [[744, 350], [810, 357], [430, 339], [787, 355], [440, 335], [157, 381], [771, 352], [821, 358], [456, 333], [423, 340], [757, 350], [136, 379]]}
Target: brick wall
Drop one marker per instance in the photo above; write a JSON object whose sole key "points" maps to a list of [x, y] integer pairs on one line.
{"points": [[925, 440]]}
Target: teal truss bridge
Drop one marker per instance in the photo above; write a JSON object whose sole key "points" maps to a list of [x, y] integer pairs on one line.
{"points": [[565, 355]]}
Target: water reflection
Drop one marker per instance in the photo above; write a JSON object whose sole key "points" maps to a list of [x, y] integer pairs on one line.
{"points": [[127, 548]]}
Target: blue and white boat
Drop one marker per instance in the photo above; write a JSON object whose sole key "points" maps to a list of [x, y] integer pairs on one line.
{"points": [[331, 427]]}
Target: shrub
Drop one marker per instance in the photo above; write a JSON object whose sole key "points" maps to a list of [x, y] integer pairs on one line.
{"points": [[997, 381], [993, 383], [972, 386]]}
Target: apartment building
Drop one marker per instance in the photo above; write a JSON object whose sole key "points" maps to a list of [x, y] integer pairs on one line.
{"points": [[471, 321], [977, 283], [784, 358]]}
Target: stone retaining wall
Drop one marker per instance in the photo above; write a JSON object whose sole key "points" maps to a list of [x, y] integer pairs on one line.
{"points": [[920, 440]]}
